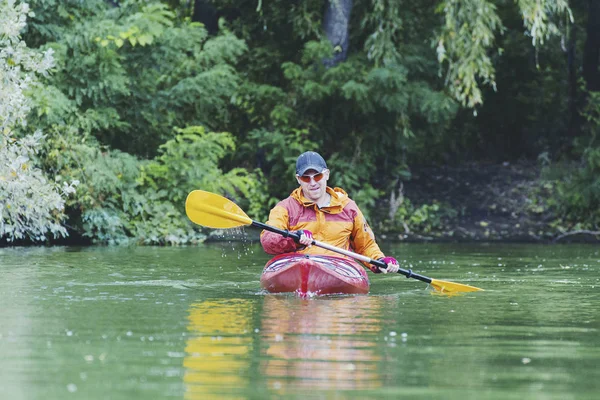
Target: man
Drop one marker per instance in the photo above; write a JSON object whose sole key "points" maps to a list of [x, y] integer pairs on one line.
{"points": [[317, 211]]}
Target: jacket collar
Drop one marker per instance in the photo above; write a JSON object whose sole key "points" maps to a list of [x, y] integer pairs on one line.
{"points": [[339, 199]]}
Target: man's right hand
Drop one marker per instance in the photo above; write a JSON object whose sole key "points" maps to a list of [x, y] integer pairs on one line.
{"points": [[306, 237]]}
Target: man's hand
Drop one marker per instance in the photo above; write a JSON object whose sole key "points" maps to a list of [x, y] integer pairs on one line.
{"points": [[306, 237], [392, 265]]}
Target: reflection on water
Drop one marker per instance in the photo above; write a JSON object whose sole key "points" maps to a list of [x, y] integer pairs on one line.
{"points": [[321, 343], [218, 352], [325, 344]]}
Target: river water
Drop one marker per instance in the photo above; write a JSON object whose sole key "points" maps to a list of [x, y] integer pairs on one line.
{"points": [[192, 323]]}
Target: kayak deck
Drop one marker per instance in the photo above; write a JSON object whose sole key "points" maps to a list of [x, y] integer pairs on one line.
{"points": [[314, 275]]}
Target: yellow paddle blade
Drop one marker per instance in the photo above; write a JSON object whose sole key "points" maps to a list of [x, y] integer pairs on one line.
{"points": [[445, 287], [214, 211]]}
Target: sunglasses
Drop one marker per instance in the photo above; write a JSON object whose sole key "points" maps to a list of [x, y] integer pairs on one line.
{"points": [[307, 178]]}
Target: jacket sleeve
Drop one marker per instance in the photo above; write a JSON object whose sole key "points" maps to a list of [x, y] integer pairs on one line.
{"points": [[363, 241], [274, 243]]}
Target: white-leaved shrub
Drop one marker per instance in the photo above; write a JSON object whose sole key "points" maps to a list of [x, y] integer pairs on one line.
{"points": [[31, 207]]}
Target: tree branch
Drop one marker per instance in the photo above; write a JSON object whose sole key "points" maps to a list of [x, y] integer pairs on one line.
{"points": [[578, 232]]}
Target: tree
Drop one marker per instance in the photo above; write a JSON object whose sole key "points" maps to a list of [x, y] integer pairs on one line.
{"points": [[31, 207], [336, 24], [468, 35]]}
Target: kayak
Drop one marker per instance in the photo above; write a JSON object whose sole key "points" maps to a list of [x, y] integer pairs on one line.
{"points": [[314, 275]]}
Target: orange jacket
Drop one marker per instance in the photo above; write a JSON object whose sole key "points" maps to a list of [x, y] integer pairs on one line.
{"points": [[340, 224]]}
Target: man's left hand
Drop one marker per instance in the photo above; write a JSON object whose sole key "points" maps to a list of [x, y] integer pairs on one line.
{"points": [[392, 265], [306, 237]]}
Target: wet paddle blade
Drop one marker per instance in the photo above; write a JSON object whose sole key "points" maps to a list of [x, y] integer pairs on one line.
{"points": [[445, 287], [214, 211]]}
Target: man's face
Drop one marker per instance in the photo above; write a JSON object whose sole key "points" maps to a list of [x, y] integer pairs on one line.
{"points": [[313, 184]]}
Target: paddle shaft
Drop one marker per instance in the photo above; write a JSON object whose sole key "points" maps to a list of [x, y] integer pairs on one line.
{"points": [[359, 257]]}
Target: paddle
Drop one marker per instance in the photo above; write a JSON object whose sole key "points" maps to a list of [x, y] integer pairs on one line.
{"points": [[214, 211]]}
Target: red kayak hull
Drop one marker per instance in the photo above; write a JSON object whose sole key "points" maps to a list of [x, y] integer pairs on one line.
{"points": [[314, 275]]}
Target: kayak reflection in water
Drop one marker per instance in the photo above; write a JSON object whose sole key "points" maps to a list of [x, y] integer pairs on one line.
{"points": [[316, 211], [320, 344], [235, 351]]}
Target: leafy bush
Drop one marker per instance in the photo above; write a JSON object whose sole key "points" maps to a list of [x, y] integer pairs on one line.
{"points": [[425, 218], [191, 161], [124, 199], [31, 206], [572, 190], [117, 70]]}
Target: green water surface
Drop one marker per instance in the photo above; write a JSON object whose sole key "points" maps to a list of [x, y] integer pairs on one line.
{"points": [[192, 323]]}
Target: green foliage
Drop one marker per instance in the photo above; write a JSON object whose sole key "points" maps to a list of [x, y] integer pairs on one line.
{"points": [[31, 205], [336, 109], [107, 180], [105, 226], [578, 192], [467, 36], [573, 190], [123, 199], [538, 17], [385, 23], [190, 161], [141, 27], [350, 113], [279, 151], [591, 113], [425, 218], [139, 70], [126, 76]]}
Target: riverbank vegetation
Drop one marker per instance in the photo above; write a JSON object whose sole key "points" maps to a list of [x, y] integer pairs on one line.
{"points": [[112, 111]]}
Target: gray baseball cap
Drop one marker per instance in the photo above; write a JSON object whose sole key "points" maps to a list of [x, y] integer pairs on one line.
{"points": [[310, 160]]}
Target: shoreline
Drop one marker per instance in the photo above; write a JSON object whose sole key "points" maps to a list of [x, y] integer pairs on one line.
{"points": [[474, 203]]}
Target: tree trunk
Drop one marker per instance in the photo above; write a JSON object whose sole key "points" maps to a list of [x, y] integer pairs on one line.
{"points": [[591, 55], [335, 24], [205, 13]]}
